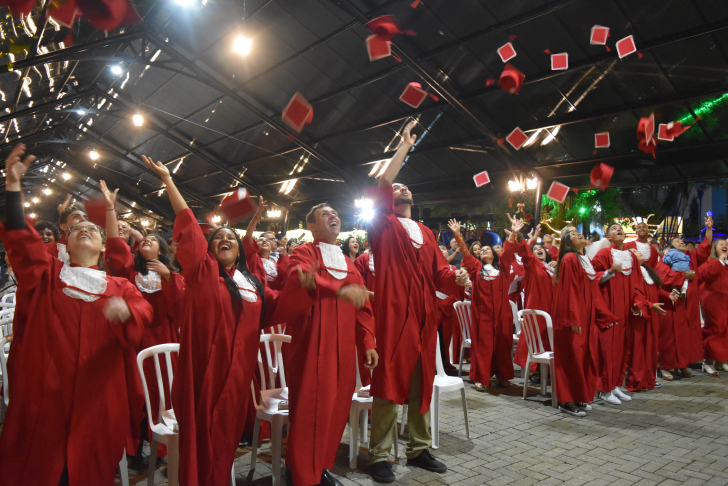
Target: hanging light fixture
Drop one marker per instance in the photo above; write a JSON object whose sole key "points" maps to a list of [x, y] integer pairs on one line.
{"points": [[242, 45], [94, 155], [138, 120]]}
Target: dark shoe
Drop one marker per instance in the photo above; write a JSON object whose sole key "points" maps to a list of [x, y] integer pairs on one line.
{"points": [[289, 477], [658, 385], [535, 379], [571, 409], [454, 372], [328, 480], [584, 406], [381, 472], [427, 461]]}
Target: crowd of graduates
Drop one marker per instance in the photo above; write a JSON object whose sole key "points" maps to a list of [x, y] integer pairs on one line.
{"points": [[88, 298]]}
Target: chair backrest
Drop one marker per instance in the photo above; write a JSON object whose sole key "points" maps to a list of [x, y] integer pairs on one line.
{"points": [[516, 320], [438, 360], [154, 352], [6, 321], [4, 367], [8, 300], [529, 326], [462, 310], [275, 367]]}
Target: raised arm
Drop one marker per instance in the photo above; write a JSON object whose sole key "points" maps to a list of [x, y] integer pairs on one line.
{"points": [[472, 265], [392, 170], [178, 202], [254, 222], [112, 225]]}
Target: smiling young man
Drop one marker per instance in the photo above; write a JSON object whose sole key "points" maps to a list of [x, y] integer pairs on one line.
{"points": [[326, 308], [410, 268]]}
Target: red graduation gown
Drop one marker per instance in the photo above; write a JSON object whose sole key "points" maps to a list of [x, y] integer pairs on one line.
{"points": [[69, 398], [450, 324], [577, 302], [491, 326], [163, 329], [642, 360], [714, 297], [325, 334], [405, 305], [620, 293], [538, 289], [648, 251], [553, 252], [362, 266], [258, 268], [681, 337], [218, 354]]}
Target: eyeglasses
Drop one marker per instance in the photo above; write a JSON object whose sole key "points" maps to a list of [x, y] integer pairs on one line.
{"points": [[91, 228]]}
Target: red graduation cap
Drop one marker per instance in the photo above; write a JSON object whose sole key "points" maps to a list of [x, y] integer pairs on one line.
{"points": [[558, 192], [626, 46], [663, 132], [506, 52], [386, 27], [600, 176], [517, 138], [481, 179], [599, 35], [601, 140], [96, 211], [378, 47], [560, 62], [511, 79], [238, 205], [297, 113], [645, 135], [414, 95], [650, 128]]}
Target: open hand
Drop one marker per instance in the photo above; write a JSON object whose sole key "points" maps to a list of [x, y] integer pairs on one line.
{"points": [[14, 168], [709, 222], [674, 296], [407, 137], [109, 197], [658, 308], [116, 310], [261, 207], [62, 207], [158, 168], [372, 359], [454, 227]]}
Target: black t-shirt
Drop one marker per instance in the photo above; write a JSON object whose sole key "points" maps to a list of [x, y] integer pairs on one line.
{"points": [[457, 260]]}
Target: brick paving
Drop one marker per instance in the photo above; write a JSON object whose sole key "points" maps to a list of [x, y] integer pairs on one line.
{"points": [[675, 435]]}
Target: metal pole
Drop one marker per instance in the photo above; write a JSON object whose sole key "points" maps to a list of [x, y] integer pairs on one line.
{"points": [[537, 204]]}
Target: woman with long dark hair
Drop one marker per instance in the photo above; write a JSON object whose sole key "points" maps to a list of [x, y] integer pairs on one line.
{"points": [[578, 311], [72, 324], [644, 326], [148, 268], [351, 248], [225, 308], [492, 321], [714, 298]]}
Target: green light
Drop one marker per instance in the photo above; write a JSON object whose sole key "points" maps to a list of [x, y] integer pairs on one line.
{"points": [[705, 107], [582, 210]]}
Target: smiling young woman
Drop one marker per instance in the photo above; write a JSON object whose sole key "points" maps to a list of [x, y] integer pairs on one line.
{"points": [[72, 323]]}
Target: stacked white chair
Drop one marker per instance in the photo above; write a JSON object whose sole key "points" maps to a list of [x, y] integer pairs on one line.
{"points": [[536, 351], [462, 310], [270, 398]]}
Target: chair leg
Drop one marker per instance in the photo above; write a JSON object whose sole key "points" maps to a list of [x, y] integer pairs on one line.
{"points": [[460, 371], [353, 438], [173, 460], [364, 426], [276, 437], [554, 398], [404, 419], [123, 470], [232, 476], [525, 372], [254, 452], [152, 461], [395, 441], [543, 379], [435, 418], [465, 412]]}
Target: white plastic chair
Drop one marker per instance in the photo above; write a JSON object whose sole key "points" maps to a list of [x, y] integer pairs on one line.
{"points": [[516, 321], [163, 431], [267, 407], [359, 422], [462, 310], [536, 351], [6, 321], [7, 300], [443, 384], [4, 371]]}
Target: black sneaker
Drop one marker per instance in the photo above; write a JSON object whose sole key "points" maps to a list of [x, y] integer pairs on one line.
{"points": [[658, 385], [328, 480], [381, 472], [535, 379], [571, 409], [584, 406], [427, 461]]}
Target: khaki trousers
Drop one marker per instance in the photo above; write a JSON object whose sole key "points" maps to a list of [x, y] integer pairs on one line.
{"points": [[384, 417]]}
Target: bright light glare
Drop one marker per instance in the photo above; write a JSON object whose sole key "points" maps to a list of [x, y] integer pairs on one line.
{"points": [[531, 183], [216, 219], [32, 215], [81, 111], [47, 191], [116, 70], [275, 213], [367, 214], [183, 3], [27, 205], [242, 45], [66, 176], [94, 155], [551, 136], [145, 223], [138, 120], [364, 203], [35, 201], [514, 186]]}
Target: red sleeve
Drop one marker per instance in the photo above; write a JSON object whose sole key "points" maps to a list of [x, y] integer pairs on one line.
{"points": [[568, 300], [383, 202], [553, 252], [664, 297], [601, 261], [119, 257], [505, 260], [708, 271], [603, 316], [472, 265], [702, 252], [669, 277], [297, 299], [442, 274], [271, 304], [522, 248], [637, 282], [130, 332], [174, 293], [27, 254], [250, 247], [362, 265], [192, 248], [365, 327]]}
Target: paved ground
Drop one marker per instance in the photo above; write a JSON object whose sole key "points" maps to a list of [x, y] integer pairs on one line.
{"points": [[675, 435]]}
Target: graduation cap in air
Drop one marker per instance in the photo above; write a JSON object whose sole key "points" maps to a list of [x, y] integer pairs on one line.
{"points": [[414, 95], [601, 140], [297, 113], [558, 192], [481, 178], [600, 176], [517, 138], [511, 79], [238, 205], [506, 52], [96, 211], [599, 35], [626, 46]]}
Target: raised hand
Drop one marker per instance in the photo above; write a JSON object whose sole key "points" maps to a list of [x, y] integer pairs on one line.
{"points": [[407, 137], [709, 222], [454, 227], [261, 207], [158, 168], [15, 169], [109, 197], [538, 231], [517, 225], [62, 207]]}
